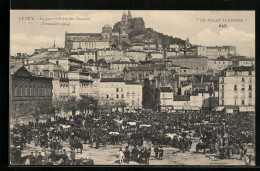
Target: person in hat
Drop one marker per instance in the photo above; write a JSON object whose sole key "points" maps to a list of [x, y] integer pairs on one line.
{"points": [[31, 158], [156, 151], [121, 155], [147, 156], [45, 158], [39, 159], [161, 153], [127, 154], [72, 156]]}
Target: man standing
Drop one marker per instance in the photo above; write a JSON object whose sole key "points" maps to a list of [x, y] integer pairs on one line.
{"points": [[39, 159], [72, 156], [147, 156], [156, 150], [127, 154], [161, 153], [45, 158]]}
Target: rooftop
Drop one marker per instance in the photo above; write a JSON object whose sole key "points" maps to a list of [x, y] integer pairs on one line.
{"points": [[132, 82], [181, 98], [186, 57], [124, 62], [50, 54], [165, 89], [112, 80]]}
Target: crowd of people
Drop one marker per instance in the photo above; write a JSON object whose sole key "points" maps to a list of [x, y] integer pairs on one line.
{"points": [[221, 133]]}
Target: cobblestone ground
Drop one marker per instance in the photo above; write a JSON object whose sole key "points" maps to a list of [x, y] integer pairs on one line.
{"points": [[107, 156]]}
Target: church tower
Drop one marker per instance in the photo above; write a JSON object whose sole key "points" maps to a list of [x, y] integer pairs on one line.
{"points": [[187, 43], [124, 17], [129, 16], [124, 23]]}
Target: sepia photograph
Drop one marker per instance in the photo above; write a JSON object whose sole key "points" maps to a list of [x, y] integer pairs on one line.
{"points": [[132, 87]]}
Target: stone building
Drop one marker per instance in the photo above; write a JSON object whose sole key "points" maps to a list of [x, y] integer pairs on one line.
{"points": [[29, 93], [237, 89]]}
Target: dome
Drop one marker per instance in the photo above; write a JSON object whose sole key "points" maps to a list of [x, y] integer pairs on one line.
{"points": [[107, 25]]}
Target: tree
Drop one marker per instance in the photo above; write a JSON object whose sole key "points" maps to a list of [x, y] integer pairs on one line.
{"points": [[70, 105], [83, 105], [57, 105], [122, 104]]}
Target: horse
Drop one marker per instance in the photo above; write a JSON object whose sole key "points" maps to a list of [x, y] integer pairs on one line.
{"points": [[202, 146]]}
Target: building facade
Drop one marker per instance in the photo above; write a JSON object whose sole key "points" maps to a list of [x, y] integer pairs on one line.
{"points": [[237, 87], [196, 64], [116, 90], [29, 92]]}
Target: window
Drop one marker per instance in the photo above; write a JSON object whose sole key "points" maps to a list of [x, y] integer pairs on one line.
{"points": [[235, 87], [243, 102], [117, 89], [250, 94], [107, 96], [15, 90], [117, 96], [243, 80], [222, 80], [250, 80], [30, 92], [122, 96], [73, 90], [235, 102], [121, 89], [21, 91], [243, 88], [133, 102], [250, 88]]}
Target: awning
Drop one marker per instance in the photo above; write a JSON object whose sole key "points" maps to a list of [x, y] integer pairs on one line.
{"points": [[195, 108], [220, 108], [229, 111], [246, 109], [186, 108]]}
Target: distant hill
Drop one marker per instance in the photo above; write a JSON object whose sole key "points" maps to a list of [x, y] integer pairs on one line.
{"points": [[136, 30]]}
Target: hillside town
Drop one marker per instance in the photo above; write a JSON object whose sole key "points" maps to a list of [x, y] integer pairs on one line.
{"points": [[125, 96]]}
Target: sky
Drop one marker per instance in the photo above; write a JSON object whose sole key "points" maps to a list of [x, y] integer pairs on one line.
{"points": [[201, 27]]}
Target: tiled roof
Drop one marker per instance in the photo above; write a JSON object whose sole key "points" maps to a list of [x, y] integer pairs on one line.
{"points": [[142, 68], [48, 65], [85, 34], [165, 89], [187, 57], [15, 69], [75, 59], [112, 80], [124, 62], [243, 68], [172, 65], [77, 53], [50, 54], [132, 82]]}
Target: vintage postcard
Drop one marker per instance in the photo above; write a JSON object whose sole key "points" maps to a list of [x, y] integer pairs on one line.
{"points": [[132, 87]]}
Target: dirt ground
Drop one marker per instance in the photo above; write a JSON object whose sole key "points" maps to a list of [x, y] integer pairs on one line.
{"points": [[107, 156]]}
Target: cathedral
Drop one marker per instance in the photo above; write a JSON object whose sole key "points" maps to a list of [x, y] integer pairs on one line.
{"points": [[124, 22]]}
